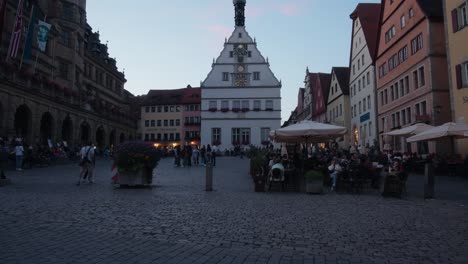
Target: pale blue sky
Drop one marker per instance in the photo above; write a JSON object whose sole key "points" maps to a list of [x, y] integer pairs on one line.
{"points": [[169, 44]]}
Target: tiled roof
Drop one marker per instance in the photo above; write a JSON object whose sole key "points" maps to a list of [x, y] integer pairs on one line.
{"points": [[164, 97], [369, 17], [342, 75], [433, 9], [191, 96], [325, 79]]}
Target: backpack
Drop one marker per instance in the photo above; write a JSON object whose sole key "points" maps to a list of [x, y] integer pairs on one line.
{"points": [[85, 159]]}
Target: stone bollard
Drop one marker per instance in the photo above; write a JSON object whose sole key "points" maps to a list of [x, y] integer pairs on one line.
{"points": [[209, 177], [428, 181]]}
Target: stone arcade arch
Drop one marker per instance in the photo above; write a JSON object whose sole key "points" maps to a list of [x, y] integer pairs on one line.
{"points": [[67, 130], [47, 128], [100, 137], [23, 121], [85, 132]]}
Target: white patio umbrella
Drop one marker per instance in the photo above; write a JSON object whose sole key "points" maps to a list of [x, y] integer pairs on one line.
{"points": [[449, 130], [307, 131], [411, 130]]}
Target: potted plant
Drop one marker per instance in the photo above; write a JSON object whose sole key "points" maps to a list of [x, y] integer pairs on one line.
{"points": [[135, 162], [314, 181], [257, 172]]}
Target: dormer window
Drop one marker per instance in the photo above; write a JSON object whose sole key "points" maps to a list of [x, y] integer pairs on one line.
{"points": [[240, 35]]}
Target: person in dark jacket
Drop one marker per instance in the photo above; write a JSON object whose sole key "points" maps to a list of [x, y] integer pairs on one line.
{"points": [[4, 152]]}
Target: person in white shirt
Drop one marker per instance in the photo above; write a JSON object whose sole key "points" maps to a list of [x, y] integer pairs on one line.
{"points": [[334, 169], [19, 152], [87, 163]]}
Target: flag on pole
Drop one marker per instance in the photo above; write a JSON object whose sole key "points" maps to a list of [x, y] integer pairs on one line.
{"points": [[2, 16], [43, 35], [29, 39], [16, 34]]}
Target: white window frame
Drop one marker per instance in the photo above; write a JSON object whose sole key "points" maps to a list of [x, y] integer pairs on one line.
{"points": [[265, 133], [256, 76], [213, 104], [257, 104], [236, 104], [269, 104], [225, 104], [225, 76], [403, 21]]}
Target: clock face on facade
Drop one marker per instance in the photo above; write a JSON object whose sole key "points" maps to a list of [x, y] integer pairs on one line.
{"points": [[240, 68], [240, 79]]}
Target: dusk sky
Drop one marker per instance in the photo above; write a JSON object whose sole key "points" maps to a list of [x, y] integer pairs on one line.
{"points": [[170, 44]]}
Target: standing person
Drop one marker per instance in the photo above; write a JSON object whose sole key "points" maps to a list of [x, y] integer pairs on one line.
{"points": [[203, 155], [19, 151], [196, 155], [87, 163], [189, 155], [208, 154], [213, 155], [3, 158]]}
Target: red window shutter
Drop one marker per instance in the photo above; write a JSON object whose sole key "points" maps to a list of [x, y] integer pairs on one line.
{"points": [[455, 20], [458, 70]]}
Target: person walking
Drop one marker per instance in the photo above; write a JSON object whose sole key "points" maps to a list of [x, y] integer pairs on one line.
{"points": [[19, 152], [189, 155], [196, 156], [87, 163]]}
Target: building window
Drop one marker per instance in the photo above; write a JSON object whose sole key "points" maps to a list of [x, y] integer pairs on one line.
{"points": [[459, 17], [146, 137], [159, 123], [153, 123], [403, 21], [408, 113], [213, 105], [370, 129], [63, 70], [245, 104], [386, 96], [257, 105], [406, 85], [265, 134], [417, 44], [240, 136], [256, 76], [166, 109], [411, 12], [415, 80], [354, 69], [363, 81], [359, 64], [225, 104], [422, 79], [390, 34], [159, 109], [240, 35], [359, 85], [402, 87], [362, 59], [364, 105], [249, 54], [269, 105], [147, 123], [165, 123], [171, 122], [225, 76], [171, 108], [65, 38], [147, 109], [397, 94], [158, 138], [231, 54], [368, 78], [240, 59], [236, 104], [392, 92], [177, 122], [360, 107], [368, 102], [215, 136]]}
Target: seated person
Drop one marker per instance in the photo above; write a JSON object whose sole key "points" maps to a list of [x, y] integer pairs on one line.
{"points": [[334, 169], [276, 166]]}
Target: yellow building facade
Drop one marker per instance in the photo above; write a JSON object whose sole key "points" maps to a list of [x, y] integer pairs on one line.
{"points": [[456, 24]]}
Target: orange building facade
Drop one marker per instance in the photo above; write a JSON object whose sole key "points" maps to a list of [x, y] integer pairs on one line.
{"points": [[412, 79]]}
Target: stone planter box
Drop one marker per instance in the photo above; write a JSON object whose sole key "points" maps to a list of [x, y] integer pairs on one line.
{"points": [[314, 187], [138, 178]]}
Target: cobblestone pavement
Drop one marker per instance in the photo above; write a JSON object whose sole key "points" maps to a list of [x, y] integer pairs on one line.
{"points": [[45, 218]]}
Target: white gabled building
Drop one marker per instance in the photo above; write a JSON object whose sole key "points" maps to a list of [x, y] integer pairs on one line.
{"points": [[241, 97], [362, 86]]}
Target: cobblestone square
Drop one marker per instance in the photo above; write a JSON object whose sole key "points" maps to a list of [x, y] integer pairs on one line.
{"points": [[46, 218]]}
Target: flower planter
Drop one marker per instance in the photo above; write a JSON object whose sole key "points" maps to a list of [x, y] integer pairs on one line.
{"points": [[136, 178], [315, 187]]}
